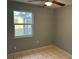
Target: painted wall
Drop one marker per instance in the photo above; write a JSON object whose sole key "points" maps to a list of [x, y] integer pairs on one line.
{"points": [[63, 17], [44, 23]]}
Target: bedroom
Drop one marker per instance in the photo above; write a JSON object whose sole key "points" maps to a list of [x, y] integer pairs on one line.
{"points": [[49, 26]]}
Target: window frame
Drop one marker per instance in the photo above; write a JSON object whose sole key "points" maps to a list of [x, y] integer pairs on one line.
{"points": [[24, 36]]}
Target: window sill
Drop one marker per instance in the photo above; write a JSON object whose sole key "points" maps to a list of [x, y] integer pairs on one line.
{"points": [[18, 37]]}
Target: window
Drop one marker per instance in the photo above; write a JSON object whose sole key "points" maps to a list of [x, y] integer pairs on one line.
{"points": [[23, 24]]}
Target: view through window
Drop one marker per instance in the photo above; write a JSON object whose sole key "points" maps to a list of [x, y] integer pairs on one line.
{"points": [[23, 23]]}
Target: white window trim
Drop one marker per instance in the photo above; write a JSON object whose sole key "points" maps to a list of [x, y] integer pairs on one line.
{"points": [[24, 36]]}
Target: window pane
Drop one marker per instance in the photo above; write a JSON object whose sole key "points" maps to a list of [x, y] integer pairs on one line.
{"points": [[18, 19], [26, 30], [22, 30], [28, 18], [19, 30], [29, 29], [22, 17]]}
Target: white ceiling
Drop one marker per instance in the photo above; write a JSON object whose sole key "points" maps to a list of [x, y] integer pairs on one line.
{"points": [[67, 2]]}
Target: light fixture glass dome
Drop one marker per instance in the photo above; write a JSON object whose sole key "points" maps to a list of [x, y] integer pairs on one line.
{"points": [[48, 3]]}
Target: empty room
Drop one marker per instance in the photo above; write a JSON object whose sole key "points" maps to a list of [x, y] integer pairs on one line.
{"points": [[39, 29]]}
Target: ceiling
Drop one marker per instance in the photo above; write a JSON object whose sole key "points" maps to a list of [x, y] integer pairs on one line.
{"points": [[41, 3]]}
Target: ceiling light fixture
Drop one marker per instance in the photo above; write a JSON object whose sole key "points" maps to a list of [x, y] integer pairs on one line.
{"points": [[48, 3]]}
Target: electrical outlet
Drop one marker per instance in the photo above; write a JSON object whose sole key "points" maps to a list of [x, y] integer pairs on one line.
{"points": [[37, 41], [15, 47]]}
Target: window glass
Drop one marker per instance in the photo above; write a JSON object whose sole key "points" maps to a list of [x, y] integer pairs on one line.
{"points": [[23, 17], [19, 30], [23, 23], [26, 30], [29, 29]]}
